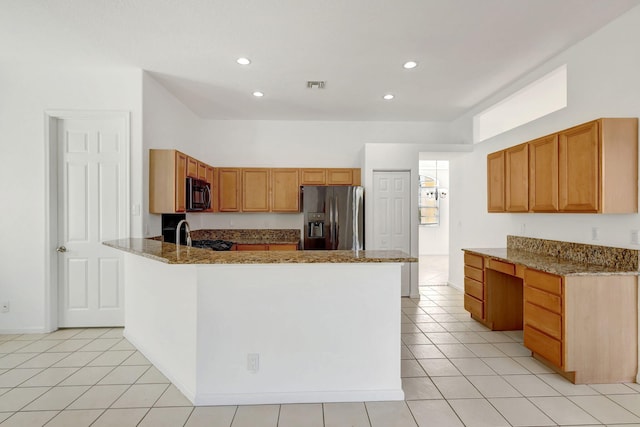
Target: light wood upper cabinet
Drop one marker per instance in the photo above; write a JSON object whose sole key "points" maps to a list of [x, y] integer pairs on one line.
{"points": [[517, 178], [202, 171], [285, 190], [598, 167], [167, 181], [255, 190], [543, 174], [495, 182], [313, 176], [578, 169], [229, 189], [339, 176], [192, 167]]}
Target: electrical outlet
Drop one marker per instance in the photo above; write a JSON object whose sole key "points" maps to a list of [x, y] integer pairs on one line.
{"points": [[523, 229], [634, 237], [595, 233], [253, 362], [4, 307]]}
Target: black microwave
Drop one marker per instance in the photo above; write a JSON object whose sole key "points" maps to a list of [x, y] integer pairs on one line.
{"points": [[198, 195]]}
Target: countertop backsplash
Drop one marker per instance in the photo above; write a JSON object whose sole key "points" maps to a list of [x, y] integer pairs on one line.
{"points": [[578, 252], [249, 235]]}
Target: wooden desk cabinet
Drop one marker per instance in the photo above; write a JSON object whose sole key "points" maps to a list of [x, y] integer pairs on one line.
{"points": [[584, 326]]}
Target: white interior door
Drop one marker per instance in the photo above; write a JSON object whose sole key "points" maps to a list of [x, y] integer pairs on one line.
{"points": [[92, 207], [391, 216]]}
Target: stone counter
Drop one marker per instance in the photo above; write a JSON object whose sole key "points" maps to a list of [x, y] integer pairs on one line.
{"points": [[250, 236], [172, 254]]}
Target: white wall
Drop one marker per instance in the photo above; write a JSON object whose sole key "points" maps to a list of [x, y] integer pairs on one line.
{"points": [[602, 82], [27, 93], [167, 124]]}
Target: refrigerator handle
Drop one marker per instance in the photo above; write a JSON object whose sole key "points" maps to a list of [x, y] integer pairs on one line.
{"points": [[335, 223]]}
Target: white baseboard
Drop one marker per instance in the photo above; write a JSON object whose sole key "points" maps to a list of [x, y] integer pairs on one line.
{"points": [[299, 397]]}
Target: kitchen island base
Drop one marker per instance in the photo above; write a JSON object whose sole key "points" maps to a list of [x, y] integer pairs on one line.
{"points": [[228, 334]]}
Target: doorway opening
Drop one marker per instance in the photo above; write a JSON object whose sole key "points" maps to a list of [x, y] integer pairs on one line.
{"points": [[433, 231]]}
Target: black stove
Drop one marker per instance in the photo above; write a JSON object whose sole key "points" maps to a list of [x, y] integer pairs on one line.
{"points": [[216, 245]]}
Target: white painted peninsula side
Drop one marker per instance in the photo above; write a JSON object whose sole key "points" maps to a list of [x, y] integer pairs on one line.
{"points": [[275, 332]]}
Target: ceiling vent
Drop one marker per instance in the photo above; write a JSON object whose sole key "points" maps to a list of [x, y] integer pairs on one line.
{"points": [[316, 84]]}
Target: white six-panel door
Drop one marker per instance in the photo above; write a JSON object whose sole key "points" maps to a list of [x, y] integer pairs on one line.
{"points": [[391, 215], [92, 207]]}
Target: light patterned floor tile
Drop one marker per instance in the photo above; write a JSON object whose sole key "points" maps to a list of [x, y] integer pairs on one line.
{"points": [[454, 351], [530, 385], [468, 337], [89, 375], [14, 377], [99, 397], [521, 412], [425, 351], [120, 417], [456, 388], [92, 333], [12, 360], [79, 418], [439, 367], [166, 417], [434, 413], [38, 346], [301, 415], [631, 402], [533, 366], [513, 349], [57, 398], [30, 419], [343, 414], [124, 375], [443, 337], [562, 410], [44, 360], [77, 360], [136, 359], [495, 337], [411, 368], [478, 413], [604, 409], [384, 414], [493, 386], [140, 396], [612, 389], [505, 366], [69, 345], [172, 397], [485, 350], [211, 416], [472, 366], [414, 338], [111, 358], [100, 344], [17, 398], [49, 377], [256, 416], [152, 376], [420, 388], [566, 387]]}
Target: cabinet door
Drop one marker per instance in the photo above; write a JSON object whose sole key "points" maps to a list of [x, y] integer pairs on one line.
{"points": [[255, 190], [229, 186], [192, 167], [517, 178], [285, 190], [357, 176], [313, 176], [495, 182], [202, 171], [181, 182], [579, 173], [283, 247], [248, 247], [210, 178], [339, 176], [543, 174]]}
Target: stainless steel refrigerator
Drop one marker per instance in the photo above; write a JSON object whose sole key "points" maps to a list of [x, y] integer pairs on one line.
{"points": [[333, 217]]}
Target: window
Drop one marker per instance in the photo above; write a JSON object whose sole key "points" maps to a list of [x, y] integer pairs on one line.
{"points": [[542, 97]]}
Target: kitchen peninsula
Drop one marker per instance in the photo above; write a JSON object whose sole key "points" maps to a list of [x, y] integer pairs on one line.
{"points": [[266, 327], [576, 303]]}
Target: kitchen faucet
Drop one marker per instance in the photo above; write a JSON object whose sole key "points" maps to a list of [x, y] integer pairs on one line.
{"points": [[186, 224]]}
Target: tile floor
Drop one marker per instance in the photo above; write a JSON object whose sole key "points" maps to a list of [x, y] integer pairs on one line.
{"points": [[455, 373], [433, 270]]}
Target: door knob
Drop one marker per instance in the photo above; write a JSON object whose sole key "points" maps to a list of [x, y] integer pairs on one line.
{"points": [[61, 249]]}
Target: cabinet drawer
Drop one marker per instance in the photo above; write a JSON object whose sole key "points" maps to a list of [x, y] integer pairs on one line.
{"points": [[543, 320], [474, 306], [544, 299], [473, 288], [545, 346], [474, 273], [283, 247], [545, 281], [503, 267], [474, 260]]}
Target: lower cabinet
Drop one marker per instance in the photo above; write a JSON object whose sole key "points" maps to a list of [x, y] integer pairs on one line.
{"points": [[474, 295], [270, 247]]}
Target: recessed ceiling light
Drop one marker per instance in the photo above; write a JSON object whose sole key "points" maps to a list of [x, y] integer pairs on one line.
{"points": [[410, 64], [258, 94], [388, 97], [243, 61]]}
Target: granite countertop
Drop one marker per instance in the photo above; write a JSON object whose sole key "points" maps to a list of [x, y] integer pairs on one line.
{"points": [[551, 264], [250, 236], [172, 254]]}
